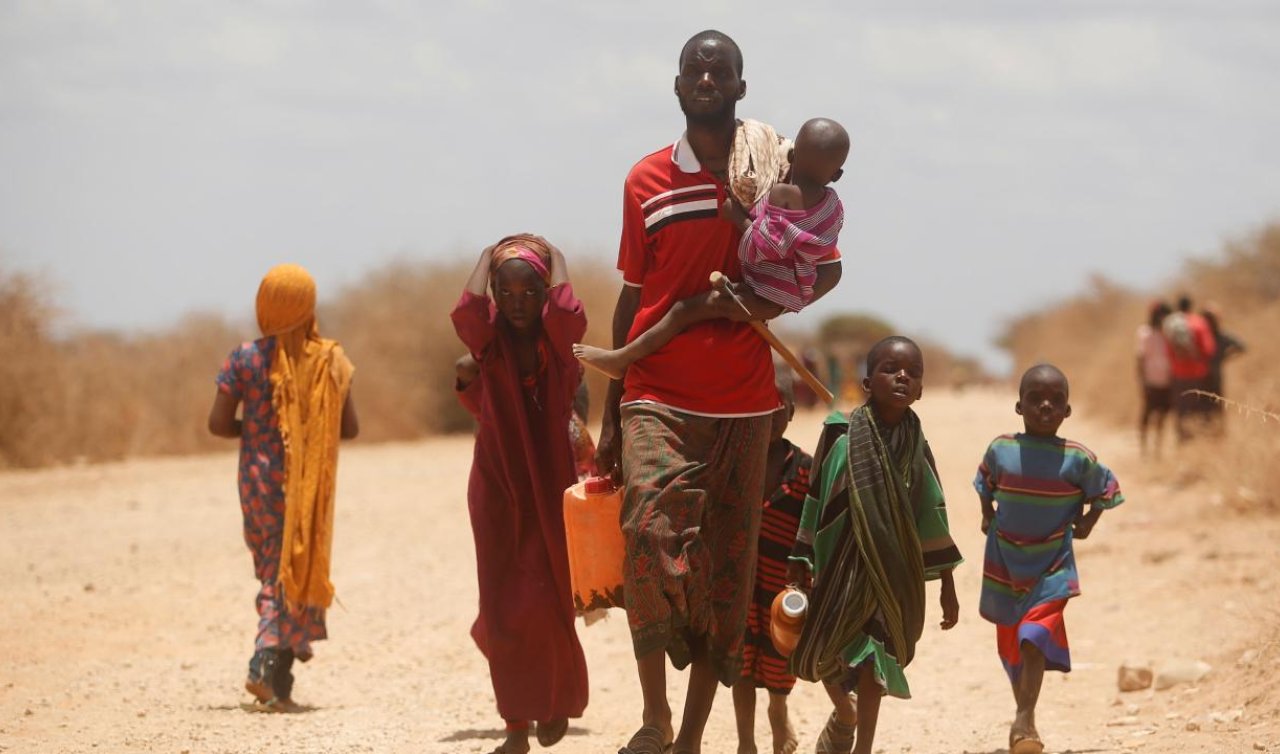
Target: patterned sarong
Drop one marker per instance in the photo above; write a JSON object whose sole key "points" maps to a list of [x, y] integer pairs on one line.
{"points": [[691, 518]]}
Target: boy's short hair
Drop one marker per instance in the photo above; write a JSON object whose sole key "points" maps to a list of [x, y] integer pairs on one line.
{"points": [[1043, 368], [874, 352]]}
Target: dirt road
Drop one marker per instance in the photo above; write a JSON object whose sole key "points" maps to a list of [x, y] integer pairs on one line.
{"points": [[128, 616]]}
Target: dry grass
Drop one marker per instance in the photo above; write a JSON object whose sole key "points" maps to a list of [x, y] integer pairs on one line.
{"points": [[1092, 337], [100, 396], [96, 396]]}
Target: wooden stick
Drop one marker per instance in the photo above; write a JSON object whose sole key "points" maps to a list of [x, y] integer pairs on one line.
{"points": [[778, 346]]}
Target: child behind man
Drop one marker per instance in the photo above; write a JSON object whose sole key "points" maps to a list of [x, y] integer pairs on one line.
{"points": [[787, 484], [1034, 487], [874, 529], [792, 230]]}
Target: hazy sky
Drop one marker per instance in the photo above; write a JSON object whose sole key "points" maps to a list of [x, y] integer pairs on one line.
{"points": [[158, 157]]}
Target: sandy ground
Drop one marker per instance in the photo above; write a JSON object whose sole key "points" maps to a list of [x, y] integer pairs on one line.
{"points": [[128, 617]]}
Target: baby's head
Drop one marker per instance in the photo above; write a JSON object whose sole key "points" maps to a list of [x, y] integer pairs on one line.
{"points": [[1043, 400], [895, 376], [819, 152]]}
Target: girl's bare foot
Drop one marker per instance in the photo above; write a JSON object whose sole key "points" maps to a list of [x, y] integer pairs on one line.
{"points": [[784, 736], [600, 359]]}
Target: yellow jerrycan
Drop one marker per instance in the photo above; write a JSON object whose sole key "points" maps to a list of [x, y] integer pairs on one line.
{"points": [[593, 533]]}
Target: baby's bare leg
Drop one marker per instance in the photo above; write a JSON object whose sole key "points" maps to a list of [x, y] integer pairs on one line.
{"points": [[682, 314]]}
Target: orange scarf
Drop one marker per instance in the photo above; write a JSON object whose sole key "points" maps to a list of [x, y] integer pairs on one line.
{"points": [[310, 377]]}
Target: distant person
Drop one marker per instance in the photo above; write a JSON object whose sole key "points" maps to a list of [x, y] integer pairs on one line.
{"points": [[873, 530], [1039, 492], [1225, 346], [296, 391], [784, 239], [786, 481], [523, 397], [1191, 348], [1155, 375]]}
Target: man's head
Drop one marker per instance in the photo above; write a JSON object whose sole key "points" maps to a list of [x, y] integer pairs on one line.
{"points": [[821, 147], [709, 80], [1159, 310], [1043, 400], [1184, 304]]}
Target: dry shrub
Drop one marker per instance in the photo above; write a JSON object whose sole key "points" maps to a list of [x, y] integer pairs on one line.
{"points": [[100, 396], [1092, 337], [30, 366], [394, 323]]}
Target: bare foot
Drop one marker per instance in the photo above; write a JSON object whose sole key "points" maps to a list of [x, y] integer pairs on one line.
{"points": [[784, 735], [601, 360]]}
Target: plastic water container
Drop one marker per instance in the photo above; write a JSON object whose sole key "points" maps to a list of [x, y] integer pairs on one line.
{"points": [[593, 533], [786, 619]]}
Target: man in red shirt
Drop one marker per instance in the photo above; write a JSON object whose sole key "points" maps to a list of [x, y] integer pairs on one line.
{"points": [[689, 425]]}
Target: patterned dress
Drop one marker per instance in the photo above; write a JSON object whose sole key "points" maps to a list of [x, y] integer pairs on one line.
{"points": [[1039, 486], [778, 523], [245, 377]]}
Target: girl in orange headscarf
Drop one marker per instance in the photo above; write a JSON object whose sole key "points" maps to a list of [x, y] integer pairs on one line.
{"points": [[522, 396], [295, 387]]}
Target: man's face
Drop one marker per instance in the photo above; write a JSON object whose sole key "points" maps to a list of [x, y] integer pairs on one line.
{"points": [[708, 86]]}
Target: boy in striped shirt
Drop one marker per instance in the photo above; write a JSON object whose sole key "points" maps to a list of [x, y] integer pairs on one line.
{"points": [[1039, 492]]}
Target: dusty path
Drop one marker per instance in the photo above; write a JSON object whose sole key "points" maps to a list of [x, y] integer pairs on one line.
{"points": [[128, 617]]}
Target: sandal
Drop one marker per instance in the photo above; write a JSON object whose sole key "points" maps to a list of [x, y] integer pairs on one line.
{"points": [[647, 740], [836, 737], [273, 706], [550, 732], [260, 689], [1025, 744]]}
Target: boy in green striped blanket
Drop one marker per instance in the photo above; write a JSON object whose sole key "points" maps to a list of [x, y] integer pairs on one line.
{"points": [[873, 530]]}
